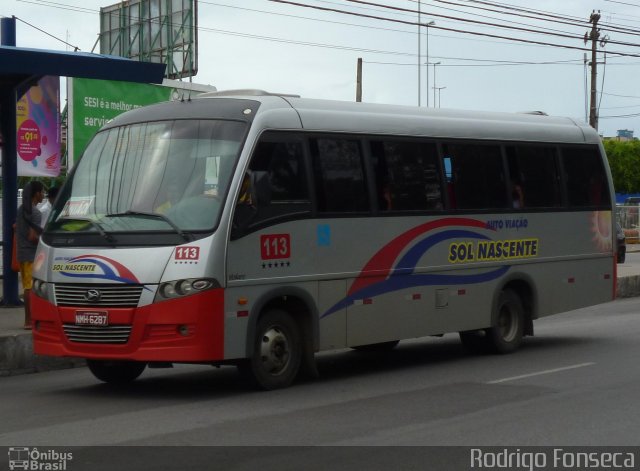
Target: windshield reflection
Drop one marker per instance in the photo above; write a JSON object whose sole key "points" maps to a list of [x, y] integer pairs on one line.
{"points": [[165, 176]]}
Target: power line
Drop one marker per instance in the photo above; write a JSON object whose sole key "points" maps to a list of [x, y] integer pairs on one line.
{"points": [[520, 15], [623, 3], [621, 96], [546, 16], [515, 28], [492, 17], [633, 115], [466, 20], [490, 62], [305, 17], [508, 38]]}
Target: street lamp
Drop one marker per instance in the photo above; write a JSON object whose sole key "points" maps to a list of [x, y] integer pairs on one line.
{"points": [[434, 82], [439, 90], [431, 23], [419, 56]]}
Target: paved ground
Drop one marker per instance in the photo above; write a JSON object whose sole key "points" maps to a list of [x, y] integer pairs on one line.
{"points": [[16, 350]]}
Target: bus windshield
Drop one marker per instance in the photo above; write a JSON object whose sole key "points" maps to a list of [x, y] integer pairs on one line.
{"points": [[169, 176]]}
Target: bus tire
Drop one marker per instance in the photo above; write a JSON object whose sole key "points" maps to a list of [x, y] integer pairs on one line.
{"points": [[277, 351], [506, 334], [116, 372], [377, 347]]}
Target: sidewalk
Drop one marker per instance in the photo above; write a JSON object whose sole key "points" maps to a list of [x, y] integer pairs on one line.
{"points": [[16, 349]]}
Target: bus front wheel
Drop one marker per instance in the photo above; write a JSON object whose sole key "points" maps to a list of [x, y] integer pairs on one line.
{"points": [[116, 372], [277, 351]]}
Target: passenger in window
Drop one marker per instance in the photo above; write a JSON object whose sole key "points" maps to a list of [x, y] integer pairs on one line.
{"points": [[245, 191], [517, 195], [386, 201], [595, 190], [245, 209]]}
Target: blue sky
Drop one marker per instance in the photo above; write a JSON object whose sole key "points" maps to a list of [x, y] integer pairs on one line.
{"points": [[313, 53]]}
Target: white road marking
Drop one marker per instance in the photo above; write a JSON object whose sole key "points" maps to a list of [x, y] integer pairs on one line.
{"points": [[538, 373]]}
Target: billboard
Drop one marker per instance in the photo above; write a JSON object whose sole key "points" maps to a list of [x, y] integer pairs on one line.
{"points": [[161, 31], [38, 129], [94, 102]]}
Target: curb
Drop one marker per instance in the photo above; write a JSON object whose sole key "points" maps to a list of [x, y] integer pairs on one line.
{"points": [[17, 357], [628, 287]]}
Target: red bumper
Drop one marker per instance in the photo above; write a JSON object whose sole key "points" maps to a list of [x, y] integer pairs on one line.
{"points": [[188, 329]]}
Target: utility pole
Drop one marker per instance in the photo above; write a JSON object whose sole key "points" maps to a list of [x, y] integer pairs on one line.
{"points": [[593, 37], [359, 81]]}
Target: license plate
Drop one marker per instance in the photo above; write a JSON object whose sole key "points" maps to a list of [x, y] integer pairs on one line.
{"points": [[95, 318]]}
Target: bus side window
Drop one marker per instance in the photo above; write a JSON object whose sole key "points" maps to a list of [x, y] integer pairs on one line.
{"points": [[275, 186], [477, 174], [407, 175], [339, 174], [535, 170], [585, 177]]}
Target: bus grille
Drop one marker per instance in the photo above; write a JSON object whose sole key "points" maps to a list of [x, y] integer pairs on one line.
{"points": [[110, 295], [91, 334]]}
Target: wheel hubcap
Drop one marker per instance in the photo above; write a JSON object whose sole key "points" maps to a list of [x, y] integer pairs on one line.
{"points": [[507, 324], [274, 351]]}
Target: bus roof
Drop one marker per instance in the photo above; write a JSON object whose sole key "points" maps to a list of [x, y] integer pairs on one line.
{"points": [[275, 111]]}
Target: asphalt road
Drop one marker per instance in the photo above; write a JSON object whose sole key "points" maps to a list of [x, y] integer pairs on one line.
{"points": [[577, 382]]}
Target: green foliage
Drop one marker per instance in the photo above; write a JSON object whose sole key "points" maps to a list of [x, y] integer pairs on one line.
{"points": [[624, 160]]}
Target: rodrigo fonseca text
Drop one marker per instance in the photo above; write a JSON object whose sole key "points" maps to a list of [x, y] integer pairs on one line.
{"points": [[555, 458]]}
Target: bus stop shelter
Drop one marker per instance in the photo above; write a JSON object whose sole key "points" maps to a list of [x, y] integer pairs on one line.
{"points": [[21, 68]]}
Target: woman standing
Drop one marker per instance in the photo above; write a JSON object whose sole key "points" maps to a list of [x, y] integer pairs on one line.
{"points": [[28, 232]]}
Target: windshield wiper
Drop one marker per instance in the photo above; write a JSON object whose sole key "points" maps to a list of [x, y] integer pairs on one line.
{"points": [[173, 225], [108, 237]]}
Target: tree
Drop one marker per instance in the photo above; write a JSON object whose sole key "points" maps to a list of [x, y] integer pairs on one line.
{"points": [[624, 161]]}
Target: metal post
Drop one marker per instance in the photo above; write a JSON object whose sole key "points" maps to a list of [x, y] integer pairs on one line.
{"points": [[431, 23], [434, 82], [439, 99], [359, 80], [8, 100], [419, 58]]}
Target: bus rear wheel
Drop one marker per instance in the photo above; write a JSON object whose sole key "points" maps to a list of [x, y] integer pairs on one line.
{"points": [[277, 351], [116, 372], [506, 334]]}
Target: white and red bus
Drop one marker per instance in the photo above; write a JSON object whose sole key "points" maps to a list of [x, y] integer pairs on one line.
{"points": [[259, 229]]}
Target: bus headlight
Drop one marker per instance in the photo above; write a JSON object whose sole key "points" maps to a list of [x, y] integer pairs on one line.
{"points": [[180, 288], [41, 289]]}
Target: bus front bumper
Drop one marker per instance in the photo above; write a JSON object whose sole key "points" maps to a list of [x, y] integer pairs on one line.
{"points": [[187, 329]]}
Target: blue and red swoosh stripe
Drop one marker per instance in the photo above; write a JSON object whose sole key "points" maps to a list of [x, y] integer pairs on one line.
{"points": [[111, 269], [384, 273]]}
